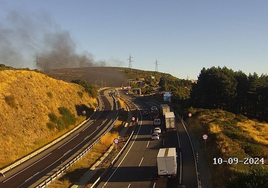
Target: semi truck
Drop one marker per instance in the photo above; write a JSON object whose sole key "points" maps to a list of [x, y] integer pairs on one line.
{"points": [[170, 121], [164, 108], [167, 162]]}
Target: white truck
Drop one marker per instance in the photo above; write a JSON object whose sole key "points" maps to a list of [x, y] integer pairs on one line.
{"points": [[164, 108], [170, 121], [167, 162]]}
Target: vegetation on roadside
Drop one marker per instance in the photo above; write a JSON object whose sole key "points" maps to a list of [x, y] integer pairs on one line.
{"points": [[230, 136], [75, 172], [35, 112], [62, 122], [91, 89]]}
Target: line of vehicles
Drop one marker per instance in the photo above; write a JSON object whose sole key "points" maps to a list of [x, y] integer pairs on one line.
{"points": [[166, 157]]}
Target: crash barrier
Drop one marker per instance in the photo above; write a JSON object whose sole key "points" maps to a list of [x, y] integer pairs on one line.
{"points": [[118, 155], [63, 169], [113, 162], [193, 150], [18, 162]]}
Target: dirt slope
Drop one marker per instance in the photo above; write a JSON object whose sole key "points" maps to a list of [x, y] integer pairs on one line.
{"points": [[26, 99]]}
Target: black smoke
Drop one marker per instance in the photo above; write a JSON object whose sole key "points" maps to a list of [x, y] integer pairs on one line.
{"points": [[33, 39]]}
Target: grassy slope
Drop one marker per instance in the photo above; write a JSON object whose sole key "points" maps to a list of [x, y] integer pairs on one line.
{"points": [[26, 99], [229, 136]]}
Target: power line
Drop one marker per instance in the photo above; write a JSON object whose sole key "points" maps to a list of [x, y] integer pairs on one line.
{"points": [[156, 65], [130, 61]]}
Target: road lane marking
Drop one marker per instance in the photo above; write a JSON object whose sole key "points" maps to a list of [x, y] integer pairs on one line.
{"points": [[141, 161], [180, 167], [129, 185], [123, 158], [87, 127], [179, 143], [148, 144], [27, 167], [32, 176], [68, 141], [154, 185]]}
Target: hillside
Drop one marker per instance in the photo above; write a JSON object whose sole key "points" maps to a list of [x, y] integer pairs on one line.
{"points": [[101, 76], [26, 99]]}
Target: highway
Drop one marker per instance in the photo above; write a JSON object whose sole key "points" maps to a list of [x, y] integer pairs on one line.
{"points": [[136, 167], [30, 172]]}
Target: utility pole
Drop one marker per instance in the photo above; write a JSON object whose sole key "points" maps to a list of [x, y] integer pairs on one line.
{"points": [[156, 66], [130, 61]]}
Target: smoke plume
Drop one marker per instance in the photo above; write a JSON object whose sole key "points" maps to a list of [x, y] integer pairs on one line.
{"points": [[34, 40]]}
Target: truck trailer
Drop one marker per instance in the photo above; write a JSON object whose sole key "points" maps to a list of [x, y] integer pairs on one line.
{"points": [[167, 162], [170, 121], [164, 108]]}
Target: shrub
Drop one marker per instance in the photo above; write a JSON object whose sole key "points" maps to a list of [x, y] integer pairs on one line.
{"points": [[49, 94], [67, 117], [80, 93], [50, 125], [253, 149], [10, 100], [53, 118]]}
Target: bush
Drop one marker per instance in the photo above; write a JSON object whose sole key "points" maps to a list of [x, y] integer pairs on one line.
{"points": [[53, 118], [50, 125], [49, 94], [10, 100], [80, 93], [253, 149], [67, 117]]}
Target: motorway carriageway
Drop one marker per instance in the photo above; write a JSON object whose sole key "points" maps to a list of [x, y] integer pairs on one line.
{"points": [[136, 167]]}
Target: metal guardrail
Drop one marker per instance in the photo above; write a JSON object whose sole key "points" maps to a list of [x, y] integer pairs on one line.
{"points": [[193, 150], [62, 169], [27, 157], [118, 155]]}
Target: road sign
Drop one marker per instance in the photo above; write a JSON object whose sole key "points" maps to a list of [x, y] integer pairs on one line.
{"points": [[133, 118], [116, 140], [205, 136]]}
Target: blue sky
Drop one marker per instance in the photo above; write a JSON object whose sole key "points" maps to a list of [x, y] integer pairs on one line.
{"points": [[183, 35]]}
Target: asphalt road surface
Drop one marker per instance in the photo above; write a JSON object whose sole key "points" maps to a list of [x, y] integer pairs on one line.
{"points": [[136, 167]]}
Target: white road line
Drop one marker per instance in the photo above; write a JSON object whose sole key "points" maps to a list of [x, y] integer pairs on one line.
{"points": [[27, 168], [180, 168], [87, 127], [67, 152], [179, 142], [141, 161], [129, 185], [154, 185], [68, 141], [123, 158], [148, 144]]}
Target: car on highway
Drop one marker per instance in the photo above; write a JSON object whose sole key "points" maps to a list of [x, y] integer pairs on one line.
{"points": [[145, 113], [155, 136], [157, 130], [157, 122]]}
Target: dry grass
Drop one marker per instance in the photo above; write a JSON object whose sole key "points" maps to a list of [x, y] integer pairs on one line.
{"points": [[26, 99], [257, 131], [228, 139]]}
